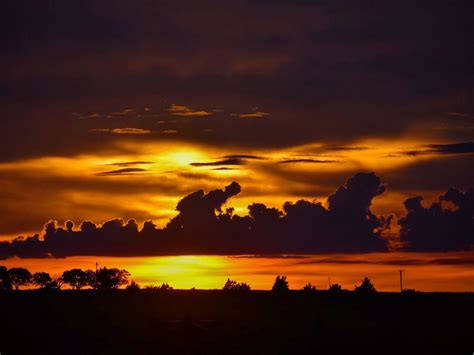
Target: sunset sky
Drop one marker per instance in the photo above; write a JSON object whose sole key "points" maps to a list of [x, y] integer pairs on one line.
{"points": [[116, 109]]}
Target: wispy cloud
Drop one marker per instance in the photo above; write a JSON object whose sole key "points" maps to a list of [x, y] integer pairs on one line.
{"points": [[231, 161], [315, 161], [169, 131], [131, 163], [258, 114], [125, 171], [244, 156], [454, 148], [181, 110], [87, 116], [126, 130], [124, 112], [459, 114]]}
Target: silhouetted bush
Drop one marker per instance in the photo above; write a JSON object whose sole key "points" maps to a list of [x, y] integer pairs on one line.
{"points": [[365, 287], [164, 287], [233, 286], [335, 288], [309, 288], [280, 285], [133, 286]]}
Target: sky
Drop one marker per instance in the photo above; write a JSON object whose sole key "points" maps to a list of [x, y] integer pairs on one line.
{"points": [[118, 110]]}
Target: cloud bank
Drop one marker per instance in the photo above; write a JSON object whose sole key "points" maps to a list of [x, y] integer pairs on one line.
{"points": [[206, 225]]}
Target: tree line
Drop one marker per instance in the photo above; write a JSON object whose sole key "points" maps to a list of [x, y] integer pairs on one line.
{"points": [[101, 279], [113, 278]]}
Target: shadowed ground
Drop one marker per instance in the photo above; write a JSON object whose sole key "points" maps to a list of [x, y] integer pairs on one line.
{"points": [[214, 322]]}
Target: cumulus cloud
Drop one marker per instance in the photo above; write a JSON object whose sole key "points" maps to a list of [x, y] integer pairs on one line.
{"points": [[181, 110], [206, 224], [439, 227]]}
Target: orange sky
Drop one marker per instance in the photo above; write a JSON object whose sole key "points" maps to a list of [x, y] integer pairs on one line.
{"points": [[96, 186], [423, 272]]}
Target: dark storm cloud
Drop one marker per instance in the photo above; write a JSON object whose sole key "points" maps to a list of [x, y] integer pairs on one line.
{"points": [[326, 71]]}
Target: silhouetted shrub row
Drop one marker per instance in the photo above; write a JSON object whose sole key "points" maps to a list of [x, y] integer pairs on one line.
{"points": [[101, 279], [109, 279]]}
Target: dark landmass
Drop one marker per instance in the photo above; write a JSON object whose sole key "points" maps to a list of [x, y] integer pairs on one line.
{"points": [[218, 322]]}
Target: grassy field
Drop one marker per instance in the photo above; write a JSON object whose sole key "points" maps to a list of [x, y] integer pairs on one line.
{"points": [[214, 322]]}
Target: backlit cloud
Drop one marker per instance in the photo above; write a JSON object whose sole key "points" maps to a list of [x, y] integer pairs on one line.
{"points": [[181, 110]]}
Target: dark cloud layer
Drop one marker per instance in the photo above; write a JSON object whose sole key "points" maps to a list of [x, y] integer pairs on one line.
{"points": [[326, 71], [454, 148], [204, 225]]}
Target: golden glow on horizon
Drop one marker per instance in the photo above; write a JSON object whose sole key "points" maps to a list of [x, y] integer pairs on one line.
{"points": [[211, 272]]}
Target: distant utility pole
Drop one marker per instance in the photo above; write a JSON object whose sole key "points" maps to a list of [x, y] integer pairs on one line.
{"points": [[329, 281], [401, 280]]}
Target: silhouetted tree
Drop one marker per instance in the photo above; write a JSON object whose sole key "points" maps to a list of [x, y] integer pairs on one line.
{"points": [[280, 285], [365, 287], [133, 286], [335, 288], [108, 279], [309, 287], [19, 277], [78, 278], [232, 285], [5, 283], [41, 279]]}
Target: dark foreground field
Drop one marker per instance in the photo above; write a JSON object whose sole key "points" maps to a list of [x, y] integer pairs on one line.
{"points": [[213, 322]]}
